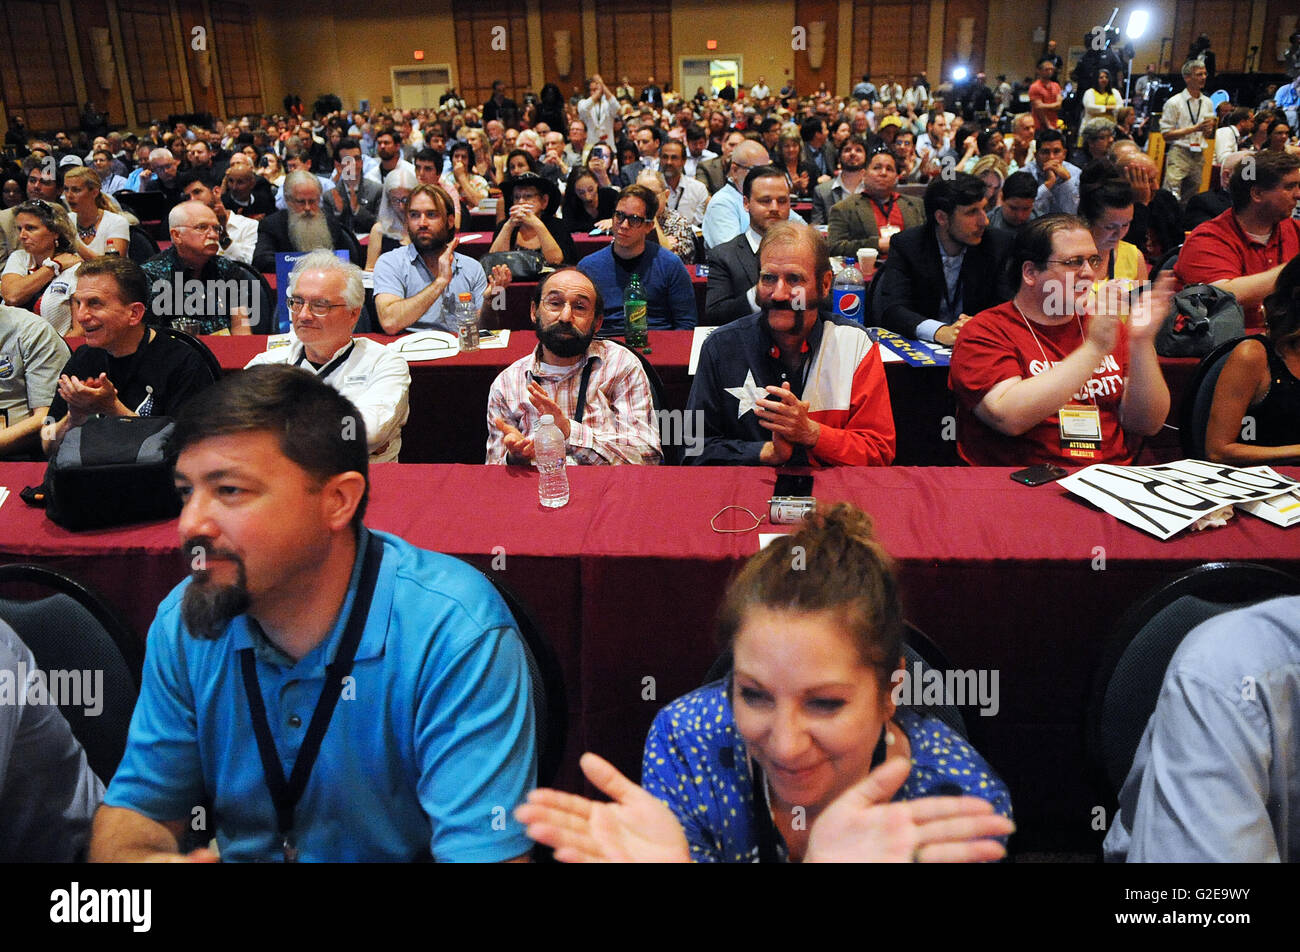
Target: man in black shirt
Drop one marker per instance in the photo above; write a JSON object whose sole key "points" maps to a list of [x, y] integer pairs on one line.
{"points": [[125, 368]]}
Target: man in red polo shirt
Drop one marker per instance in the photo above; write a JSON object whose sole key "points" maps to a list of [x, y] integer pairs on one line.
{"points": [[1243, 249]]}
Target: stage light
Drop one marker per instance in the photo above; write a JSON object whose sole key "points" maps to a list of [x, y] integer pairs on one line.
{"points": [[959, 74], [1138, 21]]}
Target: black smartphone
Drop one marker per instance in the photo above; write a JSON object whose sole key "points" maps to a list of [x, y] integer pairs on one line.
{"points": [[1037, 475], [788, 484]]}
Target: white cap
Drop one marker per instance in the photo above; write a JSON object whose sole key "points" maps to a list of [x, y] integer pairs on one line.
{"points": [[546, 418]]}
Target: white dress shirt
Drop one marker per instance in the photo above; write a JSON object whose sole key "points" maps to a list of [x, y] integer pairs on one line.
{"points": [[243, 238], [688, 199]]}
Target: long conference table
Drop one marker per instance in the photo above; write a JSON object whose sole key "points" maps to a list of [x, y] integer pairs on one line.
{"points": [[448, 398], [626, 580]]}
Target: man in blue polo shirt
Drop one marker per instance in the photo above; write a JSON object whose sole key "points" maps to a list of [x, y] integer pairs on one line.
{"points": [[417, 286], [299, 630]]}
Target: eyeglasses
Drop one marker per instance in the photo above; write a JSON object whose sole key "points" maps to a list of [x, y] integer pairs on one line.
{"points": [[1078, 261], [555, 304], [317, 308], [633, 220], [202, 229]]}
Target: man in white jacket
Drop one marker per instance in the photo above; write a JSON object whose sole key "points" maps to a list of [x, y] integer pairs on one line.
{"points": [[325, 298]]}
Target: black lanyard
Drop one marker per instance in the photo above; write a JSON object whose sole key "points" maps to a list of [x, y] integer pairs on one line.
{"points": [[581, 408], [333, 365], [886, 210], [285, 795]]}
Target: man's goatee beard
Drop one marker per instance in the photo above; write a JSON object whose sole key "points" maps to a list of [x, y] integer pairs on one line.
{"points": [[208, 609], [309, 233]]}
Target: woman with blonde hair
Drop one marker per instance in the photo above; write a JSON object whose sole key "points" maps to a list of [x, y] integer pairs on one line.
{"points": [[100, 228]]}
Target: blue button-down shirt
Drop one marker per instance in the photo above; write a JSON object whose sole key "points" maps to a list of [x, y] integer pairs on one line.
{"points": [[725, 217], [1061, 198], [402, 272]]}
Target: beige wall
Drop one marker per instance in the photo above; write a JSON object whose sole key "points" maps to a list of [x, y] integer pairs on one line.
{"points": [[349, 48], [760, 31]]}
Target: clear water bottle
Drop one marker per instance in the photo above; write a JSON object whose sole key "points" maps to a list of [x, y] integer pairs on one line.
{"points": [[848, 293], [635, 330], [466, 321], [548, 452]]}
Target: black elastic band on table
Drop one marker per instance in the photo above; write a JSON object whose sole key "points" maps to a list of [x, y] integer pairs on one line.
{"points": [[285, 795]]}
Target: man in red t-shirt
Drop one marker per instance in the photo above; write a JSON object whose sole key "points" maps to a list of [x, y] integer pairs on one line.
{"points": [[1057, 375], [1243, 249], [1045, 96]]}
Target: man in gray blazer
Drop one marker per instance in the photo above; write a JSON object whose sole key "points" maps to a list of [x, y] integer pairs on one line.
{"points": [[713, 172], [849, 181], [873, 216]]}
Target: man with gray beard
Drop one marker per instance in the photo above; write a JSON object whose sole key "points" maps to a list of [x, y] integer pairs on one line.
{"points": [[303, 226]]}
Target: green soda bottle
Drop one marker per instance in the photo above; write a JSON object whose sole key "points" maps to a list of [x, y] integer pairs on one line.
{"points": [[635, 331]]}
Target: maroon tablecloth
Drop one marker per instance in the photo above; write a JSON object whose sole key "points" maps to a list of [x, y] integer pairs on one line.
{"points": [[626, 580], [449, 398]]}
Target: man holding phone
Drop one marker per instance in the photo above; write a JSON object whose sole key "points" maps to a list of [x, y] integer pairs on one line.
{"points": [[1060, 373]]}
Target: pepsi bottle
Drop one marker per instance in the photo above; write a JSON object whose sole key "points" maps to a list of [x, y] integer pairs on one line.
{"points": [[848, 293]]}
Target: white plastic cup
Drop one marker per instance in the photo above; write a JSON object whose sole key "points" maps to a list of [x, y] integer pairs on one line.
{"points": [[867, 261]]}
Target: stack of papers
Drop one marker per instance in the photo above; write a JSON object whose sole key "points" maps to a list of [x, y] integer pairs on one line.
{"points": [[1164, 500]]}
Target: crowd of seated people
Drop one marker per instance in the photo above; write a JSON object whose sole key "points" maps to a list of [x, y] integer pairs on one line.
{"points": [[979, 215]]}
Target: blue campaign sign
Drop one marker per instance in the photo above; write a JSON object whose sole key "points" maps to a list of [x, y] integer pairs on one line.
{"points": [[917, 353], [284, 263]]}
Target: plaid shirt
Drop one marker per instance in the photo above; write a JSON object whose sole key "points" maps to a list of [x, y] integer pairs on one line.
{"points": [[618, 424]]}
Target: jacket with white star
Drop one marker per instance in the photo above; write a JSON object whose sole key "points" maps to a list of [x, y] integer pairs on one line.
{"points": [[844, 385]]}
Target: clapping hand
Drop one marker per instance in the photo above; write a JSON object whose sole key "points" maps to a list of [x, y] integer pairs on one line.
{"points": [[446, 262], [787, 416], [862, 825], [1148, 315], [88, 397], [544, 404], [517, 445], [499, 278], [634, 828]]}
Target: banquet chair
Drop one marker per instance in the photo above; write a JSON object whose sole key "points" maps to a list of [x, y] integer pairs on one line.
{"points": [[141, 246], [75, 629], [672, 453], [209, 358], [1166, 263], [1128, 681], [550, 700], [1198, 398]]}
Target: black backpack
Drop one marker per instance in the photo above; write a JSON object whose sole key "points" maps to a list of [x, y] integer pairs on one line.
{"points": [[111, 471], [1203, 317]]}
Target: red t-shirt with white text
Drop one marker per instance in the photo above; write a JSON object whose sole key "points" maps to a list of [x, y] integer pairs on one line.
{"points": [[996, 345]]}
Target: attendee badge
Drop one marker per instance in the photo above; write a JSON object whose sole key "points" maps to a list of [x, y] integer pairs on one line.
{"points": [[1080, 432], [888, 231]]}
